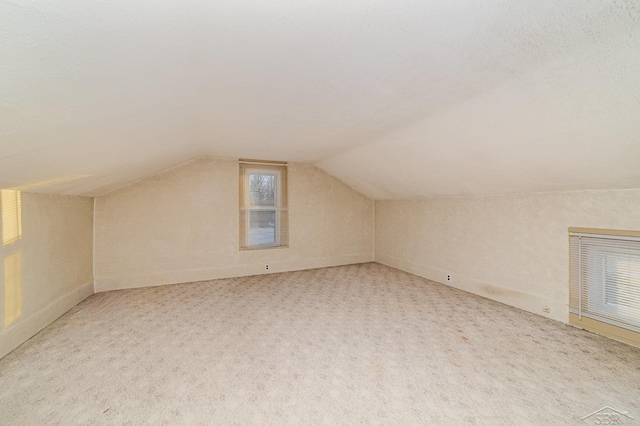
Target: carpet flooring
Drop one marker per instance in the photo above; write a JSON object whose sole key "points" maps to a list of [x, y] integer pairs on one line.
{"points": [[359, 344]]}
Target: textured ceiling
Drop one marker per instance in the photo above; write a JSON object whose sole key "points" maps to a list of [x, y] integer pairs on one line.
{"points": [[398, 99]]}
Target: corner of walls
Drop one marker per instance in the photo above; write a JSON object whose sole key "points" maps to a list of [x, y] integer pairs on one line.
{"points": [[513, 249], [182, 225], [373, 230], [515, 298], [57, 262], [29, 327], [93, 245]]}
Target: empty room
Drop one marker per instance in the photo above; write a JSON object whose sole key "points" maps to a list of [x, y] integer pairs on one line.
{"points": [[325, 212]]}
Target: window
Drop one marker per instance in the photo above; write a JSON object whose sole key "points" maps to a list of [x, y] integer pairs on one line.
{"points": [[605, 278], [11, 204], [263, 204]]}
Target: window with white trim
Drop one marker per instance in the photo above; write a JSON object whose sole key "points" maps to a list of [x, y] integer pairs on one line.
{"points": [[605, 278], [263, 204]]}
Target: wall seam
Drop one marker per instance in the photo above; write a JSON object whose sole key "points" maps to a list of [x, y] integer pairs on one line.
{"points": [[374, 230], [93, 248]]}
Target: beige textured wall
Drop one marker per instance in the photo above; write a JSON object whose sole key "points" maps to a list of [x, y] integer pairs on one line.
{"points": [[511, 248], [182, 225], [57, 262]]}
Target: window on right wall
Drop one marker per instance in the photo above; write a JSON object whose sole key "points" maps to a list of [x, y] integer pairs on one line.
{"points": [[605, 282]]}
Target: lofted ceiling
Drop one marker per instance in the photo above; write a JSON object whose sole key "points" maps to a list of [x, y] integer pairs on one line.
{"points": [[399, 99]]}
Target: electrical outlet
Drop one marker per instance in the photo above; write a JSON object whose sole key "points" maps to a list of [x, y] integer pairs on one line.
{"points": [[449, 277], [546, 309], [266, 267]]}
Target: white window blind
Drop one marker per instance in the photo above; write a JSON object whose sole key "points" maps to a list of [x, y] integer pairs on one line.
{"points": [[605, 279], [11, 212]]}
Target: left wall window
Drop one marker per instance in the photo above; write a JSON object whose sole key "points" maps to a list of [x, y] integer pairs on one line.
{"points": [[263, 204], [11, 212]]}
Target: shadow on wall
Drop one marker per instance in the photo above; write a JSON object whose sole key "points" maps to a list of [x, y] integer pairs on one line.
{"points": [[11, 230], [11, 212]]}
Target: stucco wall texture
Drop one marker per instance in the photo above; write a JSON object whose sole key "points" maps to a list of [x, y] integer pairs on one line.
{"points": [[57, 262], [183, 225], [509, 248]]}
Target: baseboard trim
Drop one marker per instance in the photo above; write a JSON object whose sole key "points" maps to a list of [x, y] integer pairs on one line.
{"points": [[517, 299], [108, 283], [28, 327], [604, 329]]}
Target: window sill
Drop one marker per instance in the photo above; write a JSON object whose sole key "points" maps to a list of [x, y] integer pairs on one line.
{"points": [[618, 333], [263, 248]]}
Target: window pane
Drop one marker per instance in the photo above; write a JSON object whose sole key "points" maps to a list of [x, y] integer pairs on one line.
{"points": [[622, 283], [11, 216], [263, 205], [262, 189], [262, 227]]}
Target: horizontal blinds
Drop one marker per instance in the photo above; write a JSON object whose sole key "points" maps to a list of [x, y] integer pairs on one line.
{"points": [[11, 212], [264, 163], [605, 279]]}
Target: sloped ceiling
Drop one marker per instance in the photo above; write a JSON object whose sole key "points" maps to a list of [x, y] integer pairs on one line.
{"points": [[396, 98]]}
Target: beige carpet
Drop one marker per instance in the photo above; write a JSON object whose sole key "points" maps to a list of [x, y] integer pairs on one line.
{"points": [[361, 344]]}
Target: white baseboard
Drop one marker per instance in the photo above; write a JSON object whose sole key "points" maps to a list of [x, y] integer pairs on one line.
{"points": [[527, 302], [25, 328], [107, 283]]}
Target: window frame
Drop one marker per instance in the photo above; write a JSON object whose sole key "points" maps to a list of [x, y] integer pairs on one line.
{"points": [[280, 207], [588, 305], [599, 261]]}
